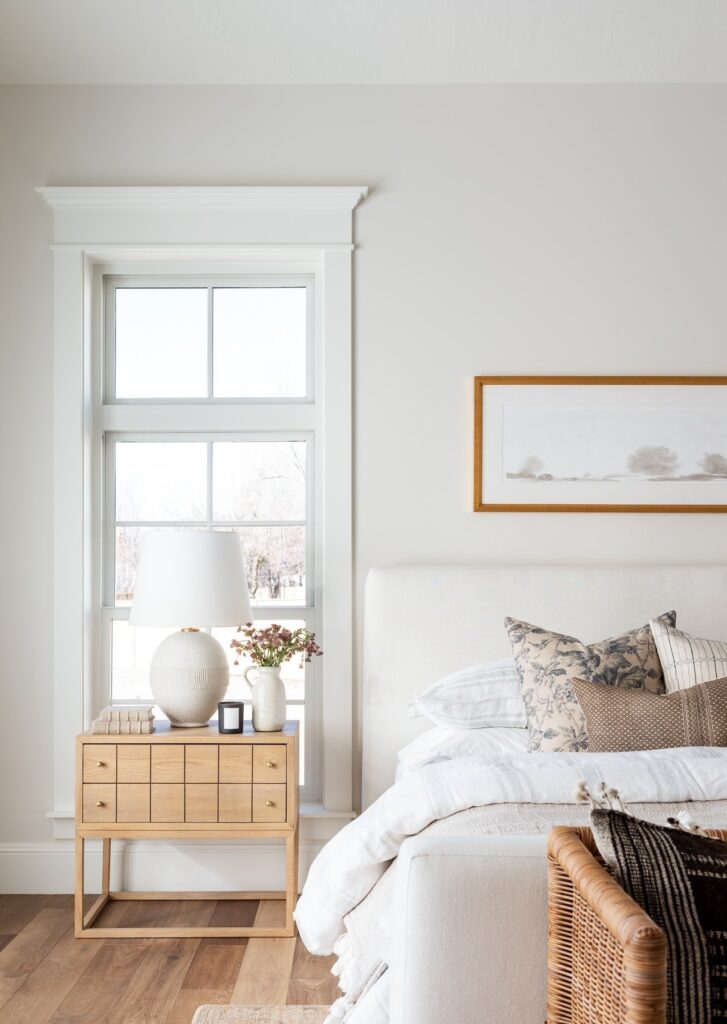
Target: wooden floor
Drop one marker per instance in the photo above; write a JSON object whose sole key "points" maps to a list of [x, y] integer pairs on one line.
{"points": [[49, 977]]}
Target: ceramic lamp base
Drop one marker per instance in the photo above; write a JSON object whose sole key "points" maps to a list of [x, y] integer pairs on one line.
{"points": [[189, 676]]}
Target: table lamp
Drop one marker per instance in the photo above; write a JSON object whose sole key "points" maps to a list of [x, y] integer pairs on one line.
{"points": [[191, 578]]}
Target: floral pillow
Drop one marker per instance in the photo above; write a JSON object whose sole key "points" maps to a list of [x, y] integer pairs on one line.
{"points": [[548, 662]]}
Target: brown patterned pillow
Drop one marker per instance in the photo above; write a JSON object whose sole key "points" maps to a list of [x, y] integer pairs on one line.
{"points": [[548, 662], [636, 720]]}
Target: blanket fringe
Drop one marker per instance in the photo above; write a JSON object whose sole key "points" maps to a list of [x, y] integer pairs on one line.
{"points": [[686, 823], [343, 967], [339, 1010], [608, 799]]}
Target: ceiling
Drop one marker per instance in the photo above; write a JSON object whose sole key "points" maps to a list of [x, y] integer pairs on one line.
{"points": [[175, 42]]}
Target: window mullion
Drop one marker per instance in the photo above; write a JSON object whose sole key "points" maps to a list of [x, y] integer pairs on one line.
{"points": [[209, 485], [210, 342]]}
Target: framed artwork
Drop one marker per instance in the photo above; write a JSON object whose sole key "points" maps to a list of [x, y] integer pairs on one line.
{"points": [[600, 444]]}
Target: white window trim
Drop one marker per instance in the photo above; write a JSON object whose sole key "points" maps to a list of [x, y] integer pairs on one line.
{"points": [[230, 229]]}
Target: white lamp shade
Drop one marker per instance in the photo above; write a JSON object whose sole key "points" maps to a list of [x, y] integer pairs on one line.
{"points": [[190, 578]]}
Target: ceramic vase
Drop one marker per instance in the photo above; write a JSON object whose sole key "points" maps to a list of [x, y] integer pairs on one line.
{"points": [[268, 699]]}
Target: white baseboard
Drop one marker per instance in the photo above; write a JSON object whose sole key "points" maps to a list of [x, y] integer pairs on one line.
{"points": [[153, 865]]}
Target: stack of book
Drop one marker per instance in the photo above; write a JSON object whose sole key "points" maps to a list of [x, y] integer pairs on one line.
{"points": [[124, 719]]}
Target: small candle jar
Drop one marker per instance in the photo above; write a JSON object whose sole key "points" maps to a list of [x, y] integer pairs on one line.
{"points": [[230, 716]]}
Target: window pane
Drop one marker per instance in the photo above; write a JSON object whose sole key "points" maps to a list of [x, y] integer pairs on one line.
{"points": [[128, 545], [161, 342], [164, 481], [275, 562], [259, 340], [131, 653], [259, 480], [292, 673]]}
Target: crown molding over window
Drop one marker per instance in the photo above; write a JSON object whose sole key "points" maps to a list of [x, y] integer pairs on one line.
{"points": [[310, 215], [195, 197]]}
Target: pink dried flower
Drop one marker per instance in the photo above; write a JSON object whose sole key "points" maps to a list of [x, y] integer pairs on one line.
{"points": [[271, 646]]}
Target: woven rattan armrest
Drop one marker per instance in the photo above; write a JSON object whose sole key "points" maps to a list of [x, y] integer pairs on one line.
{"points": [[606, 957]]}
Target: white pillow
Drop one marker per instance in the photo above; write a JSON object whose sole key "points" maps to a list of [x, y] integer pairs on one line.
{"points": [[687, 660], [480, 697], [440, 744]]}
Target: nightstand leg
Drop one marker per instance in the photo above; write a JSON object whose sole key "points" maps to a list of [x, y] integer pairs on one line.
{"points": [[78, 901], [106, 866], [291, 889]]}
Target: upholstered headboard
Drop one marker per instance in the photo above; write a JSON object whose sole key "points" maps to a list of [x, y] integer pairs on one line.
{"points": [[421, 622]]}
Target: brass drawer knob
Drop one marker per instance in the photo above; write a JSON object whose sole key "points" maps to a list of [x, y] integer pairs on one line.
{"points": [[270, 764], [269, 803], [100, 764], [100, 803]]}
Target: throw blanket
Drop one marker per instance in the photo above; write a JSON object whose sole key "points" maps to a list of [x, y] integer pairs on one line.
{"points": [[362, 951], [349, 865], [500, 790]]}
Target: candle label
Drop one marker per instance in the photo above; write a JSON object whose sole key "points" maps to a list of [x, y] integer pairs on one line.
{"points": [[231, 718]]}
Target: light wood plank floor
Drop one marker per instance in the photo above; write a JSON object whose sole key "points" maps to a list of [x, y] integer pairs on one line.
{"points": [[49, 977]]}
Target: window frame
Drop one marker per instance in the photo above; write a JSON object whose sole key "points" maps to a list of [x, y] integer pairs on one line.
{"points": [[177, 411], [173, 229]]}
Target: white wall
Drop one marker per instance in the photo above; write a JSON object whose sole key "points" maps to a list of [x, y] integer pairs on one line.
{"points": [[508, 230]]}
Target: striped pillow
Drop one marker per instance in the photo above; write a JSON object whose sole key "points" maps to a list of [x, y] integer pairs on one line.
{"points": [[480, 697], [685, 659]]}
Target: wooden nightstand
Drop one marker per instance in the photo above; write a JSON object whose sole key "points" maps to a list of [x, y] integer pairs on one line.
{"points": [[186, 784]]}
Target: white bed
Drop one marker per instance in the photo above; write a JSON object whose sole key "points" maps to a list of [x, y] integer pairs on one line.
{"points": [[422, 622], [455, 930]]}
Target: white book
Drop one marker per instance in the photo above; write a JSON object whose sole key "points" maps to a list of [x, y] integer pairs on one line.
{"points": [[101, 727], [127, 713]]}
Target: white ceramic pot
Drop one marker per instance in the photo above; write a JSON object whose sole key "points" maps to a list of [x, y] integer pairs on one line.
{"points": [[268, 699]]}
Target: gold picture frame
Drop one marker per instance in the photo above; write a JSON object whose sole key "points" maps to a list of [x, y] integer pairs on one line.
{"points": [[625, 416]]}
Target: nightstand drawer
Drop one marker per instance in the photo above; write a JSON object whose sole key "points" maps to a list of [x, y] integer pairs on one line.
{"points": [[200, 802], [167, 763], [167, 801], [268, 802], [235, 802], [236, 763], [99, 802], [268, 763], [99, 762], [200, 762], [133, 763], [132, 801]]}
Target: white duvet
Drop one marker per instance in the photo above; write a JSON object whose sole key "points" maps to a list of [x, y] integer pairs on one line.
{"points": [[349, 865]]}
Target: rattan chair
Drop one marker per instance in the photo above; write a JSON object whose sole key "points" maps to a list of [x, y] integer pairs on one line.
{"points": [[607, 960]]}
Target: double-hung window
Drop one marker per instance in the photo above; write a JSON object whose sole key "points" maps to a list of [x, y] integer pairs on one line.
{"points": [[202, 380], [217, 380]]}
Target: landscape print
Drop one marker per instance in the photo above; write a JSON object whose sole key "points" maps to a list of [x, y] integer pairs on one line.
{"points": [[655, 445]]}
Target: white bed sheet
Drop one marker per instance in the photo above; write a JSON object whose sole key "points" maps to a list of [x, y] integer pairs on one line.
{"points": [[350, 864]]}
